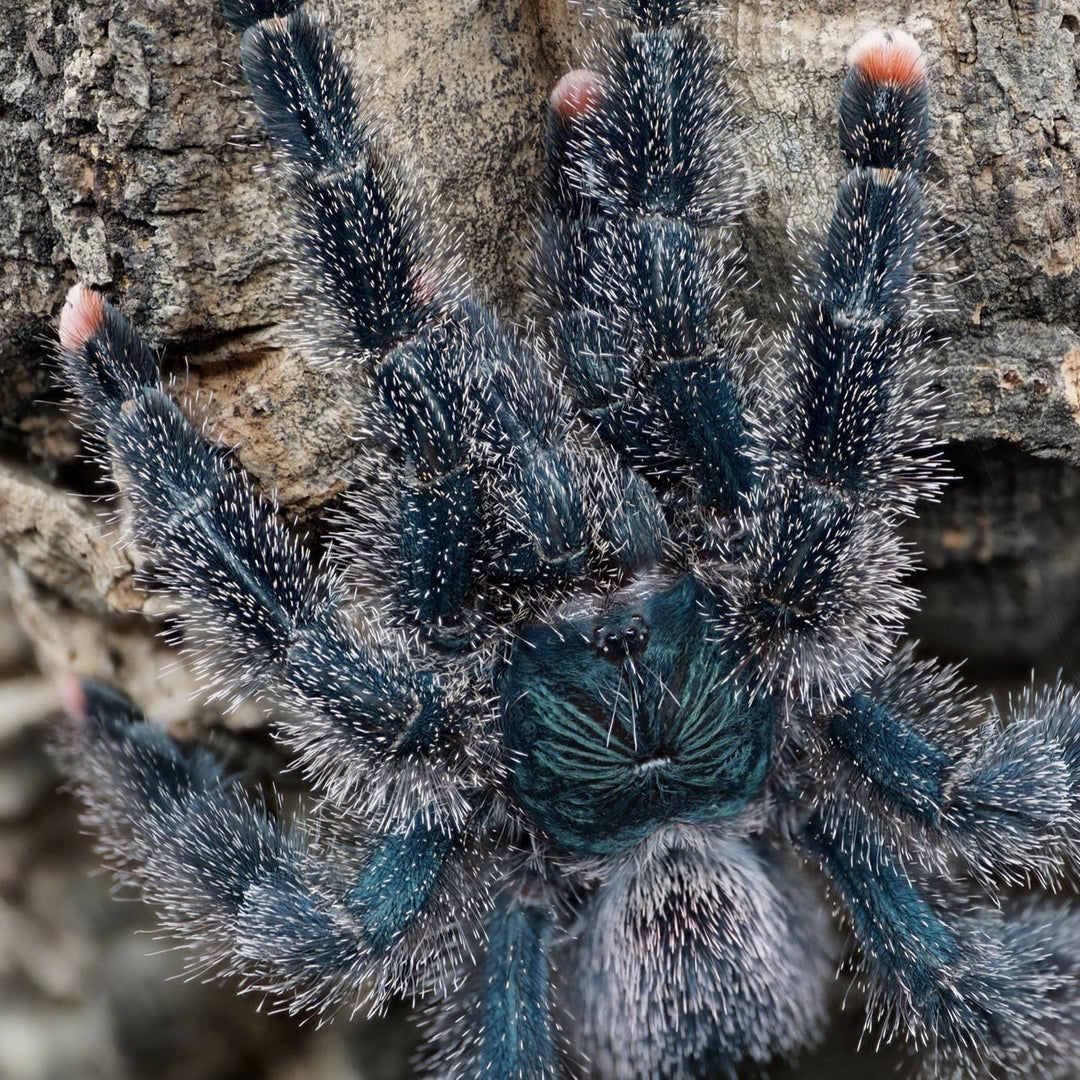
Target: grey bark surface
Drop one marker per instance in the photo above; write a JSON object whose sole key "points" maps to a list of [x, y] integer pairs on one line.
{"points": [[130, 159]]}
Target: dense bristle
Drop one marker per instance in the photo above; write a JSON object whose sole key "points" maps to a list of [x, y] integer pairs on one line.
{"points": [[916, 753], [372, 278], [295, 76], [602, 666], [937, 976], [103, 360], [240, 14], [884, 106], [643, 166], [503, 1019], [814, 596], [667, 987], [851, 411], [255, 897], [647, 13]]}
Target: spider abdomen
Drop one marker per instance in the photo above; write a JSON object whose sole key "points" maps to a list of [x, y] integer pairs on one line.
{"points": [[619, 722]]}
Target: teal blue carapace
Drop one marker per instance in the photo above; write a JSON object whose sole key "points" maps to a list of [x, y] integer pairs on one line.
{"points": [[619, 722]]}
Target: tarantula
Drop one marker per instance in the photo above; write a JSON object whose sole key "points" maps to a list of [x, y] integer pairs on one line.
{"points": [[601, 674]]}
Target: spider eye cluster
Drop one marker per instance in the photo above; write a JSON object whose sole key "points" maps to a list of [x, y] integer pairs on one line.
{"points": [[615, 724], [615, 639]]}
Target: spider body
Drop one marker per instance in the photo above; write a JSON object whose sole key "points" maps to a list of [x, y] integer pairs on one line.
{"points": [[620, 722], [603, 666]]}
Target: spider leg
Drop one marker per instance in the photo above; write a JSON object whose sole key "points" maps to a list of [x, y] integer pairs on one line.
{"points": [[990, 991], [644, 174], [503, 1022], [643, 162], [492, 495], [265, 620], [315, 923], [1003, 795], [854, 406], [841, 439]]}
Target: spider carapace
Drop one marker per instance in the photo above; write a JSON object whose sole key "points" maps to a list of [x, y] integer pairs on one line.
{"points": [[618, 722]]}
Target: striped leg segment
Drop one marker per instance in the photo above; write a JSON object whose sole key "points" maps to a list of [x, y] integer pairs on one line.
{"points": [[818, 596], [503, 1022], [990, 991], [264, 619], [855, 409], [1003, 794], [644, 175], [317, 925], [489, 496]]}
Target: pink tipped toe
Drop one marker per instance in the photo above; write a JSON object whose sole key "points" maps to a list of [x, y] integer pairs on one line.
{"points": [[576, 94], [72, 695], [83, 314], [888, 56]]}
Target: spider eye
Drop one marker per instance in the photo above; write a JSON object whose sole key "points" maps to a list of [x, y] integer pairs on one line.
{"points": [[620, 638]]}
